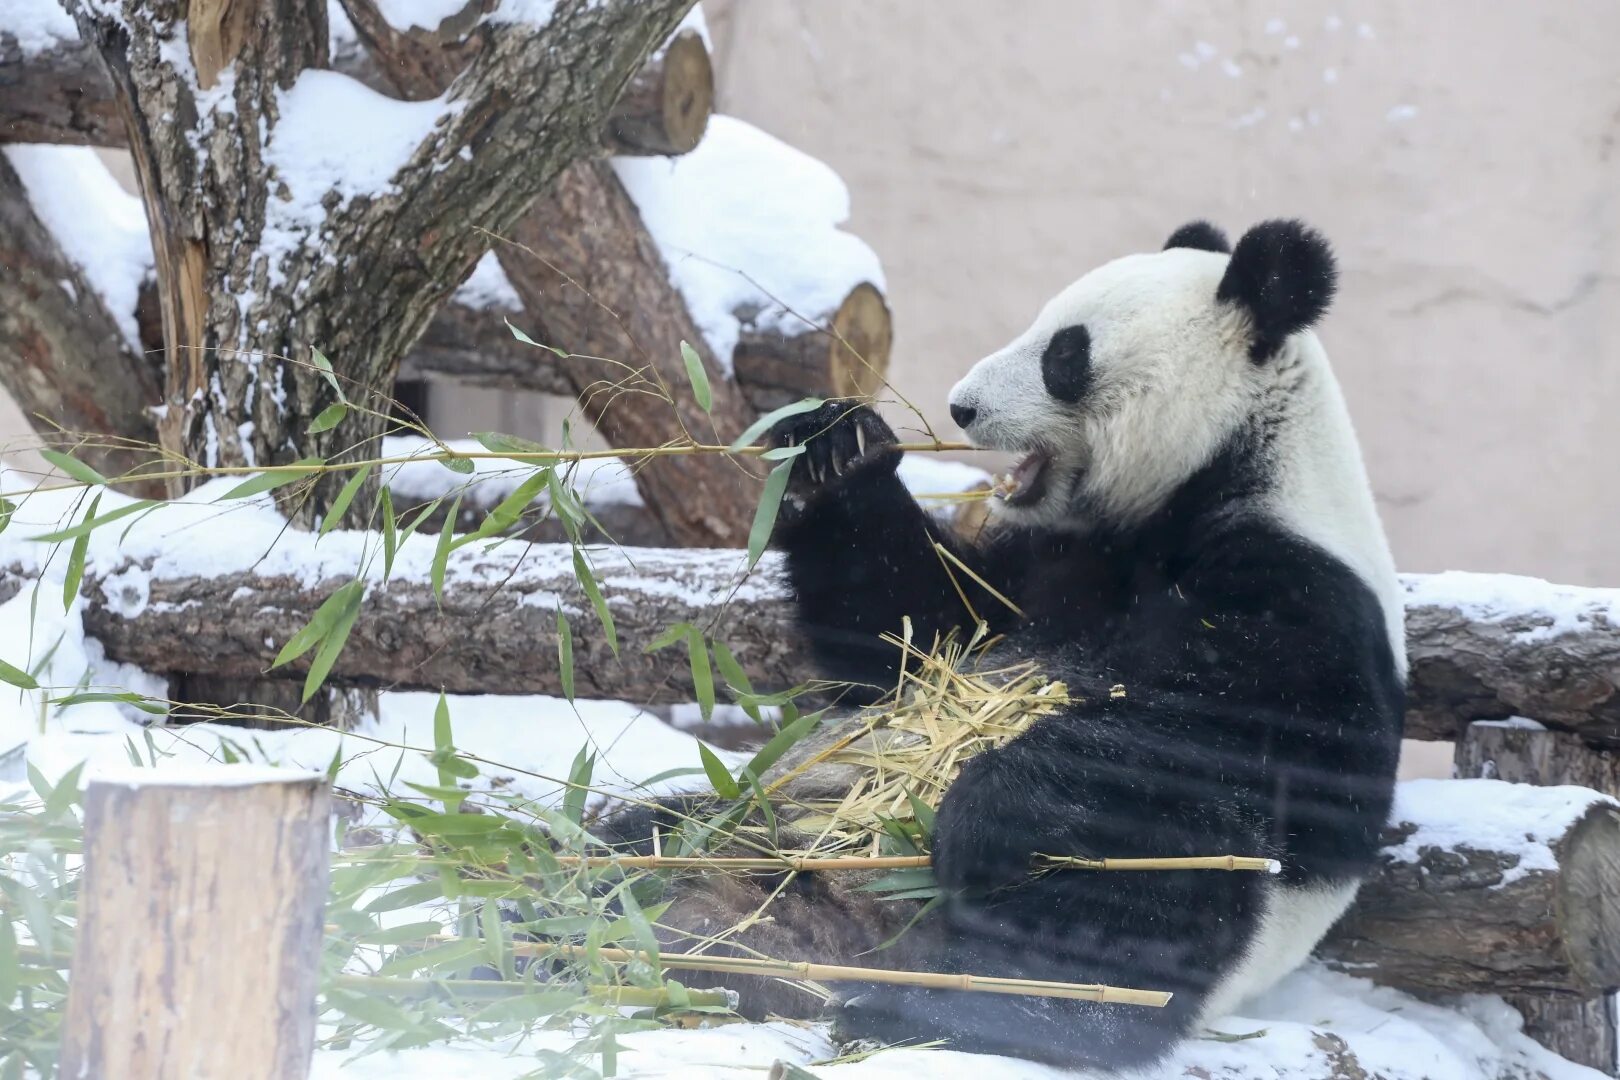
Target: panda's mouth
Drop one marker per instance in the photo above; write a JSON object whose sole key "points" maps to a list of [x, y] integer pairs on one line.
{"points": [[1026, 482]]}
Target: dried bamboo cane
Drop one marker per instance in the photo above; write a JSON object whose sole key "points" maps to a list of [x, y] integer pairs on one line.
{"points": [[934, 980], [811, 864]]}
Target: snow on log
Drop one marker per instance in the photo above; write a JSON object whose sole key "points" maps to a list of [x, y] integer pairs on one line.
{"points": [[1492, 646], [1490, 887], [53, 88]]}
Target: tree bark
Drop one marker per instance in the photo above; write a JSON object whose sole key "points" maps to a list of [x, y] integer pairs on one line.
{"points": [[1467, 667], [171, 872], [62, 355], [1464, 919], [57, 96], [1583, 1031], [618, 304], [243, 281]]}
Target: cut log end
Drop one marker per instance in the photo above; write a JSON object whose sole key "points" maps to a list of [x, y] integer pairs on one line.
{"points": [[1588, 903], [665, 109], [847, 355]]}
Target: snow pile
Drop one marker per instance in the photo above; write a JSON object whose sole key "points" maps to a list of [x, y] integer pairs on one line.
{"points": [[425, 14], [598, 481], [100, 226], [1554, 609], [37, 25], [1489, 815], [749, 228]]}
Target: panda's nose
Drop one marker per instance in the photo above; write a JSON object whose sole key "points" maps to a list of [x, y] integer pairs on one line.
{"points": [[963, 415]]}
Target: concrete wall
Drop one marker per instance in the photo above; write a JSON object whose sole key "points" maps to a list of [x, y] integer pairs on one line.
{"points": [[1461, 156]]}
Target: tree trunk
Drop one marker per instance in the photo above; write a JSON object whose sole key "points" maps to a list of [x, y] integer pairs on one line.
{"points": [[62, 355], [260, 260], [198, 947], [1582, 1031], [1540, 917]]}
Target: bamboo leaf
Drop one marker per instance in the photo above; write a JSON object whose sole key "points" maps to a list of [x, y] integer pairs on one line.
{"points": [[587, 581], [771, 419], [669, 637], [7, 508], [123, 698], [700, 378], [390, 535], [89, 524], [922, 812], [783, 453], [324, 366], [579, 782], [270, 480], [320, 623], [498, 442], [770, 501], [782, 742], [720, 778], [332, 644], [697, 654], [457, 464], [335, 512], [441, 553], [17, 677], [510, 509], [76, 555], [75, 468], [328, 418], [527, 340], [565, 655], [737, 679]]}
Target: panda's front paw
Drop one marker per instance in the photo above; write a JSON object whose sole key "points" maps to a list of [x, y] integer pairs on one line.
{"points": [[841, 440]]}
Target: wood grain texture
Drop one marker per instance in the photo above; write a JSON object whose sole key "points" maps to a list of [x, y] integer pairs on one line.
{"points": [[200, 924]]}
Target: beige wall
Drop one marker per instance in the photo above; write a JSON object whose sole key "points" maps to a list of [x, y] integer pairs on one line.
{"points": [[1461, 155]]}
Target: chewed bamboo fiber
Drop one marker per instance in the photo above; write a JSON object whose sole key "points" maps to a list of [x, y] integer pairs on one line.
{"points": [[1113, 995]]}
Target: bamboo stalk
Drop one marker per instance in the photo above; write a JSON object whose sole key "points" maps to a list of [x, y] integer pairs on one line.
{"points": [[934, 980], [1190, 862], [495, 989], [811, 864]]}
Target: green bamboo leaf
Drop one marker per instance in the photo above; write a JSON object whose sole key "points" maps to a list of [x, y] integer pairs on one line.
{"points": [[89, 524], [782, 742], [123, 698], [497, 442], [7, 508], [527, 340], [270, 480], [457, 464], [565, 655], [724, 784], [769, 420], [75, 566], [782, 453], [324, 366], [922, 812], [587, 581], [390, 537], [737, 679], [697, 654], [331, 645], [441, 553], [75, 468], [763, 802], [770, 501], [328, 418], [320, 623], [640, 926], [334, 513], [699, 377], [669, 637], [579, 782], [17, 677], [509, 510]]}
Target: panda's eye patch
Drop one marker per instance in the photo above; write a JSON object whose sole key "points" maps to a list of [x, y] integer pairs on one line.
{"points": [[1066, 364]]}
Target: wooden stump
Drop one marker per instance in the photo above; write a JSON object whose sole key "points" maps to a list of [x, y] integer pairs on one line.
{"points": [[849, 359], [1581, 1030], [197, 955]]}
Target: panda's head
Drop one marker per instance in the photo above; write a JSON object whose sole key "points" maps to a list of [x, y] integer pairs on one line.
{"points": [[1132, 378]]}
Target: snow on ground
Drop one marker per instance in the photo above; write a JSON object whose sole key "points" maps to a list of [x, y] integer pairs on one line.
{"points": [[742, 206], [1490, 815], [1555, 609], [100, 226], [37, 24]]}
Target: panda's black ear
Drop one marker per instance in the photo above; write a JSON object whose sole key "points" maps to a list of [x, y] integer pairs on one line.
{"points": [[1200, 236], [1283, 275]]}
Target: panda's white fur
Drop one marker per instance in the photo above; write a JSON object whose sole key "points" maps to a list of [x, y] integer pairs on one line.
{"points": [[1172, 380]]}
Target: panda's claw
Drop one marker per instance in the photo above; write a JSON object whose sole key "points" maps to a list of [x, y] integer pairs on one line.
{"points": [[860, 439]]}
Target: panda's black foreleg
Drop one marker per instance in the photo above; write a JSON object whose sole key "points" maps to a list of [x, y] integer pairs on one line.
{"points": [[1070, 786], [861, 553]]}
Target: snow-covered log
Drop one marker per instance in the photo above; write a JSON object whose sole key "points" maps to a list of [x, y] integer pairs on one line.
{"points": [[1490, 887], [65, 354], [1493, 646], [58, 92]]}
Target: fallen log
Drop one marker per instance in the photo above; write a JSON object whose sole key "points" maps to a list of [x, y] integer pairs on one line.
{"points": [[497, 631], [1490, 887]]}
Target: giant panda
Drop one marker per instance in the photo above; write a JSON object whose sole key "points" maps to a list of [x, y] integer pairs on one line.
{"points": [[1191, 542]]}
